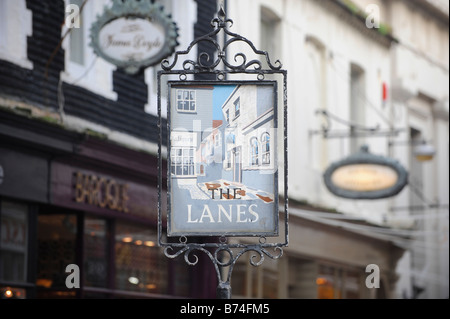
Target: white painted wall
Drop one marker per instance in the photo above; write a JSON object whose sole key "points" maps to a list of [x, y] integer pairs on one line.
{"points": [[95, 74], [15, 26]]}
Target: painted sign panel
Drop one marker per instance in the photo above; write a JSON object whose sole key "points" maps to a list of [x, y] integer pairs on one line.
{"points": [[222, 162], [366, 176]]}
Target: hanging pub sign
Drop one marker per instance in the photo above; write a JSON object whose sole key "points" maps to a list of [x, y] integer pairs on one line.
{"points": [[225, 144], [366, 176], [134, 34], [223, 176]]}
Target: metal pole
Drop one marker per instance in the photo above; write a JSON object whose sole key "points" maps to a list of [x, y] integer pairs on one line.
{"points": [[224, 290]]}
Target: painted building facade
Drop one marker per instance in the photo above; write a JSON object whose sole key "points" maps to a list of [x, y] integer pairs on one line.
{"points": [[222, 159]]}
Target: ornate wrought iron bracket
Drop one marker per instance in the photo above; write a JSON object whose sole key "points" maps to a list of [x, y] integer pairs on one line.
{"points": [[223, 254], [220, 262], [207, 64]]}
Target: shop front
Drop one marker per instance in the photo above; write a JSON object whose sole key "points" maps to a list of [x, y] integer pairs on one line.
{"points": [[73, 199], [328, 257]]}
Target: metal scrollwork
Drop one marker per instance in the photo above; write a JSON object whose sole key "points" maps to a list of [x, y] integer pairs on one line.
{"points": [[218, 262], [206, 63]]}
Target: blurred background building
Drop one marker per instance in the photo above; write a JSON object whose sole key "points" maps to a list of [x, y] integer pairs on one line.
{"points": [[78, 152]]}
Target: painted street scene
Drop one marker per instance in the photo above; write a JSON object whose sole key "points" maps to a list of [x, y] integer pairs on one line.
{"points": [[223, 165]]}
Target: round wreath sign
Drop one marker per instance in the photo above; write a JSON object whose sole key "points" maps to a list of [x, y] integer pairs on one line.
{"points": [[134, 34]]}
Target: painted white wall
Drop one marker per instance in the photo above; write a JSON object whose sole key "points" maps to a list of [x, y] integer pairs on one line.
{"points": [[15, 28], [95, 74]]}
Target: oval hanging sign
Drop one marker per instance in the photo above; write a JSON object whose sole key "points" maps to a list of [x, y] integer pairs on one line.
{"points": [[366, 176], [134, 35]]}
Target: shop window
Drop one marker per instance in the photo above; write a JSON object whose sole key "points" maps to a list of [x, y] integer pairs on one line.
{"points": [[352, 285], [302, 276], [327, 283], [57, 241], [180, 278], [248, 281], [338, 283], [13, 250], [14, 242], [96, 255], [140, 265]]}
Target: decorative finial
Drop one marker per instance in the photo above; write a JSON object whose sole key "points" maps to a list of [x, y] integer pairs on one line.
{"points": [[221, 14]]}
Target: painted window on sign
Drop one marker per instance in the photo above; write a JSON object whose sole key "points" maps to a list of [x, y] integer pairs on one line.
{"points": [[265, 140], [186, 101], [182, 160], [254, 151], [228, 166], [237, 108]]}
